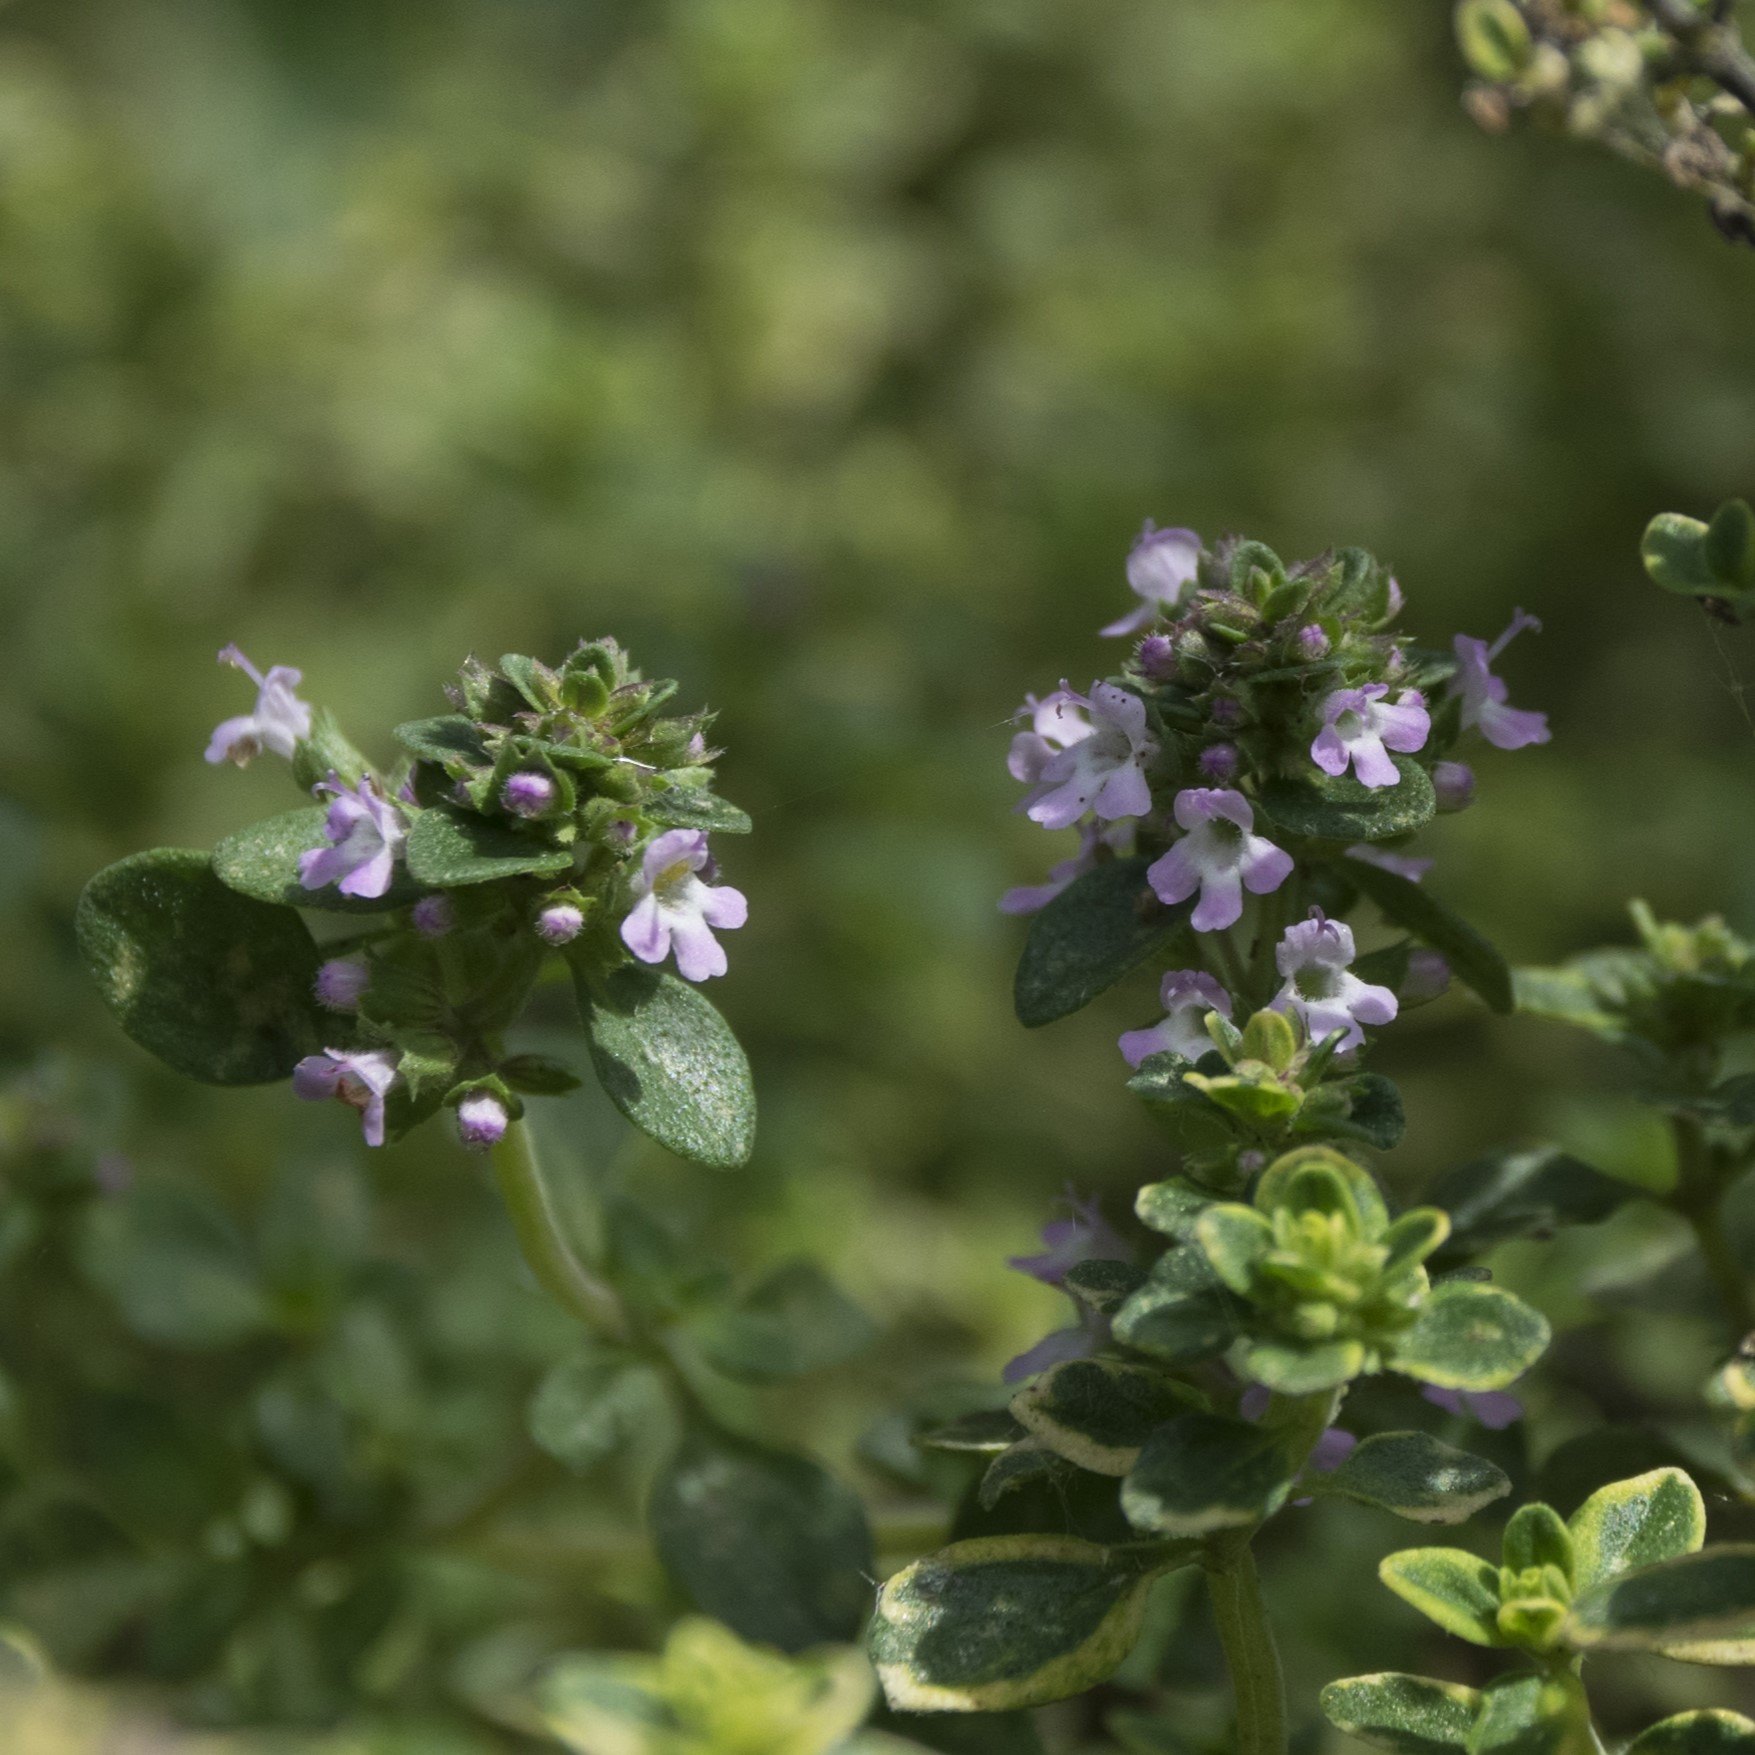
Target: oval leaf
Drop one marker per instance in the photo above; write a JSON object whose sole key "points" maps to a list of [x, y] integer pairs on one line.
{"points": [[1008, 1621], [1710, 1732], [1471, 1336], [1674, 552], [262, 861], [670, 1063], [1088, 937], [683, 807], [218, 986], [448, 849], [1471, 957], [1635, 1523], [1322, 808], [1695, 1597], [1416, 1477], [1204, 1472], [586, 1408], [768, 1542], [1097, 1413], [1457, 1589], [796, 1320], [1409, 1715]]}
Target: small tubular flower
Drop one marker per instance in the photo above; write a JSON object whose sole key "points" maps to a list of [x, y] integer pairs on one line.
{"points": [[1313, 957], [1187, 995], [674, 908], [1360, 727], [281, 720], [559, 924], [1160, 567], [481, 1121], [360, 1080], [1029, 898], [366, 831], [1057, 722], [528, 795], [1083, 1236], [1483, 693], [1219, 855], [1103, 772]]}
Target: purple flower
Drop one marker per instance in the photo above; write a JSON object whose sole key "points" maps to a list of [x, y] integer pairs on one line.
{"points": [[1492, 1407], [434, 916], [1219, 761], [1160, 567], [1187, 995], [1029, 898], [1226, 713], [526, 794], [280, 722], [340, 983], [481, 1120], [1313, 956], [1103, 772], [1312, 641], [1084, 1235], [1360, 727], [1089, 1336], [559, 924], [1057, 722], [1157, 657], [1483, 693], [366, 832], [671, 905], [1396, 599], [358, 1080], [1403, 865], [1454, 783], [1219, 856]]}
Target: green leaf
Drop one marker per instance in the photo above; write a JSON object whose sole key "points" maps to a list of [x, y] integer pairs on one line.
{"points": [[1674, 552], [1471, 1336], [1172, 1207], [1533, 1715], [586, 1408], [794, 1321], [1729, 548], [1096, 930], [985, 1432], [1374, 1112], [1009, 1621], [1693, 1598], [1537, 1536], [685, 807], [449, 739], [538, 1075], [1630, 1524], [1407, 905], [1324, 808], [1523, 1194], [1408, 1715], [766, 1541], [1493, 38], [1416, 1477], [1204, 1472], [1710, 1731], [218, 986], [1317, 1179], [1181, 1314], [1097, 1413], [670, 1063], [262, 861], [1294, 1368], [1021, 1465], [1103, 1286], [448, 849], [1456, 1589], [1234, 1238]]}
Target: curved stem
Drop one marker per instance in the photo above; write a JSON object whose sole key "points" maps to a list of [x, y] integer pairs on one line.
{"points": [[1240, 1615], [546, 1246]]}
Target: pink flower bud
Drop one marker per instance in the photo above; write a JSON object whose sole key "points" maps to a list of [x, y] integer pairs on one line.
{"points": [[434, 916], [1157, 657], [481, 1121], [340, 983], [559, 924], [1219, 762], [1312, 641], [528, 795]]}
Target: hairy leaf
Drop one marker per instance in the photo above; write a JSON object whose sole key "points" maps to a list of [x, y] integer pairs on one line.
{"points": [[1416, 1477], [262, 861], [1522, 1194], [1408, 1715], [1635, 1523], [1712, 1731], [1204, 1472], [1456, 1589], [1097, 1413], [451, 848], [1692, 1598], [1471, 1336], [1323, 808]]}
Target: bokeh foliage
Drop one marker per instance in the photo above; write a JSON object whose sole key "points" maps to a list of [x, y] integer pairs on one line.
{"points": [[829, 353]]}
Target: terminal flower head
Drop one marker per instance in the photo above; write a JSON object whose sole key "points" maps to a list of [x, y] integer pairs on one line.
{"points": [[1102, 772], [1187, 995], [1483, 693], [1160, 567], [366, 831], [279, 723], [673, 907], [1313, 956], [1029, 898], [1360, 727], [1220, 855], [359, 1080]]}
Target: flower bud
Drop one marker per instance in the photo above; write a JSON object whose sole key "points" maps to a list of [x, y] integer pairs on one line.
{"points": [[1219, 762], [434, 916], [528, 795], [1312, 641], [340, 983], [1454, 782], [559, 924], [1427, 978], [481, 1121], [1157, 657], [1226, 713]]}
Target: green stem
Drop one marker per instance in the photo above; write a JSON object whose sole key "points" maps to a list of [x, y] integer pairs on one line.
{"points": [[546, 1246], [1250, 1653]]}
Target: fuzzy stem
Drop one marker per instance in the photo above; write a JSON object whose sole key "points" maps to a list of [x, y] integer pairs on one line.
{"points": [[546, 1247], [1241, 1617]]}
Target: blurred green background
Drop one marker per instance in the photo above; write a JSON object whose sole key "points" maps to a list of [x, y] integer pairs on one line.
{"points": [[830, 353]]}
